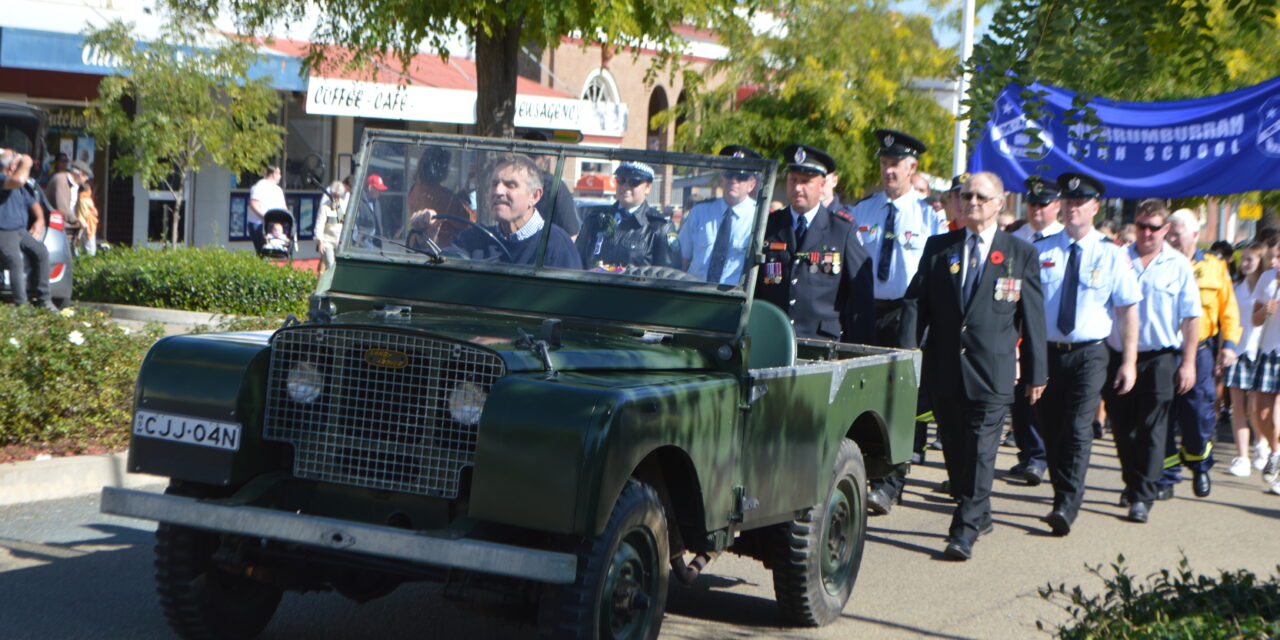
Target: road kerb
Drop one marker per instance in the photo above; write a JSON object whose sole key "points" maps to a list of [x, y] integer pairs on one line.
{"points": [[35, 480]]}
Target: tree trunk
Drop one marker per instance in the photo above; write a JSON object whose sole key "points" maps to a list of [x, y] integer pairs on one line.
{"points": [[496, 59]]}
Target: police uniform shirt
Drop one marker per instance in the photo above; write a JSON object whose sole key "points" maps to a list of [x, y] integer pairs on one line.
{"points": [[1025, 232], [1106, 280], [1169, 294], [914, 222], [698, 237]]}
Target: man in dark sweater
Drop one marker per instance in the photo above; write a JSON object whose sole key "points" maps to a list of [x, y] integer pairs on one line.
{"points": [[514, 187]]}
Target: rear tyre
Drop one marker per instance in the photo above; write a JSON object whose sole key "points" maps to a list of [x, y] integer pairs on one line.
{"points": [[816, 557], [621, 589], [201, 600]]}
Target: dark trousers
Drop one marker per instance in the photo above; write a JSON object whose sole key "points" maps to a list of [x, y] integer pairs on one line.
{"points": [[1194, 419], [970, 434], [888, 319], [1140, 421], [1065, 413], [18, 248], [256, 235], [1026, 431]]}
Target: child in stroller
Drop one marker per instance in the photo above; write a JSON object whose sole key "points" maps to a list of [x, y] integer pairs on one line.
{"points": [[278, 235]]}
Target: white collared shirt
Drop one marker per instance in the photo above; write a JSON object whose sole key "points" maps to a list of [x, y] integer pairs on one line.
{"points": [[914, 221], [984, 247], [698, 237], [1026, 232], [808, 217], [531, 228], [1107, 280]]}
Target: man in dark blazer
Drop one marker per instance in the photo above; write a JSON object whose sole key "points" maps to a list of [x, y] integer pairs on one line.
{"points": [[977, 292], [815, 268]]}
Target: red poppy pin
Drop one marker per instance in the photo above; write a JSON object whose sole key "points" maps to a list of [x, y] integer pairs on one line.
{"points": [[997, 257]]}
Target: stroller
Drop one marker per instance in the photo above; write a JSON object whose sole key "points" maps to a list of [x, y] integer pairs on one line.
{"points": [[278, 246]]}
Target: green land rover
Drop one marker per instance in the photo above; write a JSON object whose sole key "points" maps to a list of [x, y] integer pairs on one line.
{"points": [[485, 404]]}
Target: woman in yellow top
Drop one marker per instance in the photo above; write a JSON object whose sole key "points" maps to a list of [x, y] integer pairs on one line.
{"points": [[87, 214]]}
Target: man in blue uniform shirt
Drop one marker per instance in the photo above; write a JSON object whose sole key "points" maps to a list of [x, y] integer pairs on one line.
{"points": [[515, 186], [1170, 312], [893, 226], [1090, 289], [715, 234]]}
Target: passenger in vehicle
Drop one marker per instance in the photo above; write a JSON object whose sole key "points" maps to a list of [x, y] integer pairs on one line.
{"points": [[514, 186], [630, 232], [715, 234]]}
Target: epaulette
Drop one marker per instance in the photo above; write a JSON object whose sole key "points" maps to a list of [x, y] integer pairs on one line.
{"points": [[842, 214]]}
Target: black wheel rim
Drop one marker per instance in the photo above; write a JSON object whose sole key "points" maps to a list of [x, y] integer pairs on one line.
{"points": [[839, 537], [630, 587]]}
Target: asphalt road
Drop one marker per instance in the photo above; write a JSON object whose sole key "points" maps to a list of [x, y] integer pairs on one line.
{"points": [[69, 572]]}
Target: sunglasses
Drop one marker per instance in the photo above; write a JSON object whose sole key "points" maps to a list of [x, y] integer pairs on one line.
{"points": [[966, 196], [631, 182], [1149, 227], [736, 176]]}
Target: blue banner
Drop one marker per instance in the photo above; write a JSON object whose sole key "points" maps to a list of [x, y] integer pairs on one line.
{"points": [[1218, 145]]}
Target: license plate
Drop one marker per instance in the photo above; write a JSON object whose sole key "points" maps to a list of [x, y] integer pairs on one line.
{"points": [[197, 431]]}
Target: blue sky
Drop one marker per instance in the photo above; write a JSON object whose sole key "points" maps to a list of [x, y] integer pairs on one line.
{"points": [[946, 37]]}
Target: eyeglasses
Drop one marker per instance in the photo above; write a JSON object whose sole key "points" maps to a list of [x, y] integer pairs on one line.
{"points": [[630, 182], [965, 196], [1149, 227], [736, 176]]}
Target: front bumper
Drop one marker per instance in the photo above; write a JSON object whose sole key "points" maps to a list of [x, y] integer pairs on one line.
{"points": [[342, 535]]}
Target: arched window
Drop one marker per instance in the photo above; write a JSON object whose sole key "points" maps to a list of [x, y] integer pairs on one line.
{"points": [[600, 88]]}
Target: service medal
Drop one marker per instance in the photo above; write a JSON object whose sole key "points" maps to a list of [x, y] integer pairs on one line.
{"points": [[955, 267]]}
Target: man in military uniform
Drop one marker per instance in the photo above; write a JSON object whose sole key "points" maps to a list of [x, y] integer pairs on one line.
{"points": [[715, 235], [1042, 221], [1087, 281], [630, 232], [977, 293], [814, 268], [1169, 309], [1194, 412], [893, 226]]}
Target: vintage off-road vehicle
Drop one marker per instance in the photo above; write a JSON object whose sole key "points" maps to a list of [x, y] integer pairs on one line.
{"points": [[456, 408]]}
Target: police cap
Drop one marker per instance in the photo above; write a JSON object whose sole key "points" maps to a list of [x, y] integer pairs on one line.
{"points": [[958, 181], [635, 171], [803, 158], [1078, 185], [896, 144], [1041, 191], [738, 151]]}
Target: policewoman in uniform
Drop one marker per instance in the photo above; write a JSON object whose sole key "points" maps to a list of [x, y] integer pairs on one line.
{"points": [[815, 269], [1195, 413], [630, 232], [976, 293], [1169, 328], [1089, 288], [1042, 221]]}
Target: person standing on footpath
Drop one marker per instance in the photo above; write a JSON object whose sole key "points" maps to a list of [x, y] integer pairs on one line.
{"points": [[1167, 338], [977, 292], [1089, 288], [1240, 378], [1042, 222], [18, 200], [1195, 413], [815, 269], [265, 195], [893, 226]]}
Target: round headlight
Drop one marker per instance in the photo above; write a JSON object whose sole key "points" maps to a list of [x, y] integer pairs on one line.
{"points": [[304, 383], [466, 402]]}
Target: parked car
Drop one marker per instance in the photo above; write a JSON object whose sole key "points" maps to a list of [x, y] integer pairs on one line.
{"points": [[465, 413], [23, 127]]}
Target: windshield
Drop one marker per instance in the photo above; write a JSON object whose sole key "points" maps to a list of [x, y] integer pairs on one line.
{"points": [[559, 211]]}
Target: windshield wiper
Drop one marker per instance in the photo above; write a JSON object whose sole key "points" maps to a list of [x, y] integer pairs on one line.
{"points": [[432, 251]]}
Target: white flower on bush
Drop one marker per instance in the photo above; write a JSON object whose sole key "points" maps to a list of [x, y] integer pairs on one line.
{"points": [[14, 342], [86, 325], [76, 337], [125, 330], [67, 312]]}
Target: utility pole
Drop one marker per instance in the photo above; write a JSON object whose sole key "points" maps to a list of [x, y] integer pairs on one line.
{"points": [[960, 158]]}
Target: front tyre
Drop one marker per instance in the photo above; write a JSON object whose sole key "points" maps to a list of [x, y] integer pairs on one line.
{"points": [[816, 557], [621, 589], [202, 600]]}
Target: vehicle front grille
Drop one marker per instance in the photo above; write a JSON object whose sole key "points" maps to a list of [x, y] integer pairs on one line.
{"points": [[382, 418]]}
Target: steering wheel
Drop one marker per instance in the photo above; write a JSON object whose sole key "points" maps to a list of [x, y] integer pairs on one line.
{"points": [[664, 273], [313, 170], [488, 234]]}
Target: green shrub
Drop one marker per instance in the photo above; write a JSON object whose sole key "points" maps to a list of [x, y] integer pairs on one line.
{"points": [[68, 376], [205, 279], [1236, 605]]}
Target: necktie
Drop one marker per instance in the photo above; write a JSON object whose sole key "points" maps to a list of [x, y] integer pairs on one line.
{"points": [[886, 245], [802, 225], [1070, 283], [720, 250], [1037, 236], [971, 274]]}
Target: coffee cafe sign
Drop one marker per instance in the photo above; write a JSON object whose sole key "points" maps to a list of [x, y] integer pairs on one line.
{"points": [[337, 97]]}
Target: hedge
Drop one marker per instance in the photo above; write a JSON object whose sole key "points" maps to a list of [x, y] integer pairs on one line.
{"points": [[204, 279], [68, 376]]}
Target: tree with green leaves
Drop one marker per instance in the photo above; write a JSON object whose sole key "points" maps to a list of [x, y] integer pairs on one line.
{"points": [[179, 104], [368, 29], [826, 74]]}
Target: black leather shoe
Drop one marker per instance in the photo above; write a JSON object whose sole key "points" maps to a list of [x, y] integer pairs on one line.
{"points": [[1058, 522], [879, 502], [959, 549], [1017, 469], [1164, 492], [943, 487], [1139, 511], [1033, 475], [1200, 483], [1098, 431], [1124, 499]]}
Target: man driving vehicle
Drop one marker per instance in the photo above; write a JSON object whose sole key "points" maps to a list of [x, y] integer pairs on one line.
{"points": [[630, 232], [514, 186]]}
